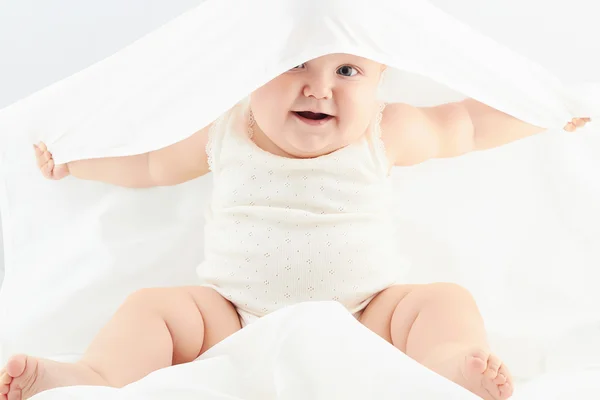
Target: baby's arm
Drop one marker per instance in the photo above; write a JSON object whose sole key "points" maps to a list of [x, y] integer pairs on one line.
{"points": [[168, 166], [416, 134]]}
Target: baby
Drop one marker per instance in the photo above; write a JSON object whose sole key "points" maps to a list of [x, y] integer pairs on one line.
{"points": [[301, 211]]}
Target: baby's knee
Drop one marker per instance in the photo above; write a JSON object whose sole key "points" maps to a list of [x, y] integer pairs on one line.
{"points": [[445, 291], [158, 297], [144, 295]]}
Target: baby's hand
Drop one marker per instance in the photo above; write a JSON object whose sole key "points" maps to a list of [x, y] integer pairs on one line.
{"points": [[46, 163], [576, 123]]}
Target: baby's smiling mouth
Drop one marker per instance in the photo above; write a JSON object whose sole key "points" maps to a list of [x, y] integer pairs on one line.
{"points": [[312, 116]]}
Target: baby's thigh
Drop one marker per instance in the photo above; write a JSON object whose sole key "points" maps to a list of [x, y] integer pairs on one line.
{"points": [[394, 310], [377, 316], [219, 316], [196, 317]]}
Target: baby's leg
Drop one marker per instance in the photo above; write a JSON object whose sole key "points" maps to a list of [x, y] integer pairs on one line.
{"points": [[439, 325], [153, 329]]}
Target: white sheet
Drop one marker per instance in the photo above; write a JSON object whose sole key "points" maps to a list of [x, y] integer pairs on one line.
{"points": [[111, 108], [310, 351], [572, 384], [314, 351]]}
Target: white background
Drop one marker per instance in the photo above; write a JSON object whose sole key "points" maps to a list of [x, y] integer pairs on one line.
{"points": [[42, 41]]}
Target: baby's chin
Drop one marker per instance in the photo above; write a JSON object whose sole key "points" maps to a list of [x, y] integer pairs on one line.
{"points": [[310, 146]]}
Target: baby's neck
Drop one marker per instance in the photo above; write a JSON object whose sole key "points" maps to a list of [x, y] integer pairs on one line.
{"points": [[263, 142]]}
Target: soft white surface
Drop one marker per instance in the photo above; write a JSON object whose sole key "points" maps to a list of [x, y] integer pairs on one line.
{"points": [[568, 385], [314, 351], [521, 220], [1, 256], [311, 351]]}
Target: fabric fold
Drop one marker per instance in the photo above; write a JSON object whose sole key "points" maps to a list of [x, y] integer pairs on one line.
{"points": [[179, 78]]}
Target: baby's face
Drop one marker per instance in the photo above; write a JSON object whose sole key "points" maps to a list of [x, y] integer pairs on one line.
{"points": [[319, 106]]}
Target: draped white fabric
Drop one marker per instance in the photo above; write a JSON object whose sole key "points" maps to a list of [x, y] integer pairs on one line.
{"points": [[179, 78]]}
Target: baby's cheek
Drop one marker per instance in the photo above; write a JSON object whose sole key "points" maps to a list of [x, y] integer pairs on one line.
{"points": [[348, 131]]}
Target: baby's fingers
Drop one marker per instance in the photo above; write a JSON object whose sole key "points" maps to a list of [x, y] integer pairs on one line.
{"points": [[570, 127], [47, 169], [44, 159], [576, 123], [39, 156], [42, 154]]}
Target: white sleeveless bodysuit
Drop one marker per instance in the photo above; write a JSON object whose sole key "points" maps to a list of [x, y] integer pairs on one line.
{"points": [[280, 231]]}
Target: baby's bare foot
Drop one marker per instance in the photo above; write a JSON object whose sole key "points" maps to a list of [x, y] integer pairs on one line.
{"points": [[486, 376], [475, 369], [24, 376]]}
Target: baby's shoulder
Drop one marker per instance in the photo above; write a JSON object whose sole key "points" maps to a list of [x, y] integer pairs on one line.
{"points": [[407, 134]]}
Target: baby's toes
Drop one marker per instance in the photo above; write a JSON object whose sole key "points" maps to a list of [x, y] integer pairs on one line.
{"points": [[506, 391], [503, 376], [493, 366], [4, 377], [507, 388], [5, 380], [16, 365], [500, 379]]}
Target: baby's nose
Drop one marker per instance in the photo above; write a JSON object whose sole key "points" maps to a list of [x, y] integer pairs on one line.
{"points": [[320, 89]]}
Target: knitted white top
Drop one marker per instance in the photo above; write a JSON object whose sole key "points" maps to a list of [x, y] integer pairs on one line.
{"points": [[281, 231]]}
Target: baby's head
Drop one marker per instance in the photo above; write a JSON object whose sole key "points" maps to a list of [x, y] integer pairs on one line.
{"points": [[320, 106]]}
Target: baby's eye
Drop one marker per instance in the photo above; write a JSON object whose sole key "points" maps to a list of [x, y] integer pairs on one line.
{"points": [[347, 70], [297, 67]]}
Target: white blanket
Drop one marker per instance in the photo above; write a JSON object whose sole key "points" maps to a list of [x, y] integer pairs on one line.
{"points": [[179, 78], [310, 351], [313, 351]]}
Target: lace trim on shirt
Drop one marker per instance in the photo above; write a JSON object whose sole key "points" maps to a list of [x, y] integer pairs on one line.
{"points": [[215, 129], [377, 139]]}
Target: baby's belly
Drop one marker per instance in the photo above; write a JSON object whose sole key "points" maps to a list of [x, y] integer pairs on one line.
{"points": [[263, 264]]}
